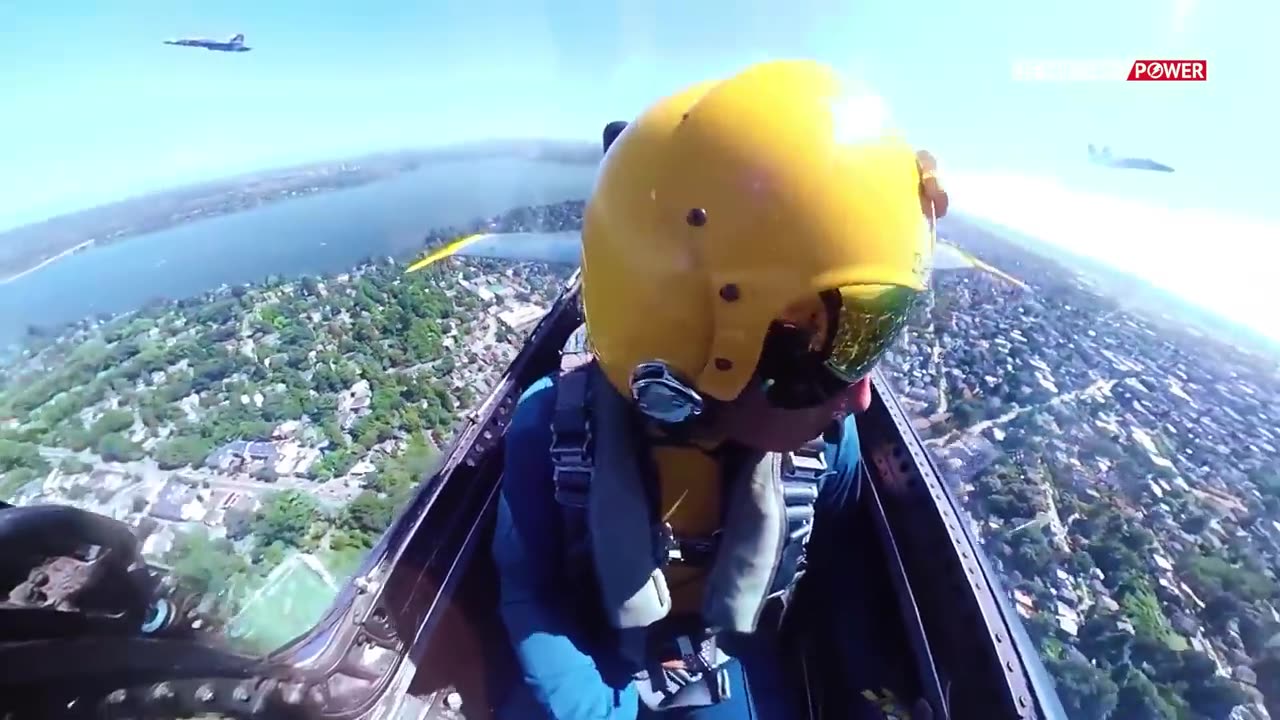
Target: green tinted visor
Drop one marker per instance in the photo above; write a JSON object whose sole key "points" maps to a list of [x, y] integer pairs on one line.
{"points": [[817, 349], [869, 319]]}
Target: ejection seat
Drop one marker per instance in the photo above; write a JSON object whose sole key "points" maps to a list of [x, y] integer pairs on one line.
{"points": [[470, 652]]}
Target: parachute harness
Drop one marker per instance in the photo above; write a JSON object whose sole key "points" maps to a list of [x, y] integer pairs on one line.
{"points": [[573, 469]]}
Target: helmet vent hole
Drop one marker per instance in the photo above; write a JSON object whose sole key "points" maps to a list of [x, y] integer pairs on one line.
{"points": [[723, 364], [729, 293], [697, 217]]}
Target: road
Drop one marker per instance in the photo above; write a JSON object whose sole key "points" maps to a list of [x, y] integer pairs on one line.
{"points": [[1098, 386], [936, 367], [1056, 526]]}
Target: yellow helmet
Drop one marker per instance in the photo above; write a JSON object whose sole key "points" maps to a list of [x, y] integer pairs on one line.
{"points": [[724, 207]]}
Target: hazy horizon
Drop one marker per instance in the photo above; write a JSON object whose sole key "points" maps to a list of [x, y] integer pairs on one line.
{"points": [[116, 113], [296, 166], [1150, 242]]}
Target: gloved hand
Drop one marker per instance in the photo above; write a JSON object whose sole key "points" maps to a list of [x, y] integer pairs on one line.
{"points": [[697, 679], [930, 184]]}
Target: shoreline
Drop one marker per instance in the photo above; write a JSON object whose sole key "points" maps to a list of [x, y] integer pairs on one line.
{"points": [[48, 261], [250, 191]]}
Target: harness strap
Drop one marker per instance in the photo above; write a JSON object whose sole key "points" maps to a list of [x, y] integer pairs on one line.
{"points": [[685, 672], [802, 471], [573, 471], [572, 458], [572, 465], [690, 671]]}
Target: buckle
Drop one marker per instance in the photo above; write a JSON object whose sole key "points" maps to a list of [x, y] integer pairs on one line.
{"points": [[686, 551], [699, 551], [572, 470], [668, 549], [572, 457], [804, 466], [699, 658]]}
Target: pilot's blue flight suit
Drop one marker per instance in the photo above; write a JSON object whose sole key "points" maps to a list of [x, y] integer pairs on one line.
{"points": [[571, 675]]}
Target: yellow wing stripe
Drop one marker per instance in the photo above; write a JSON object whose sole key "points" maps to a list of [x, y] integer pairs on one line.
{"points": [[988, 268], [445, 251]]}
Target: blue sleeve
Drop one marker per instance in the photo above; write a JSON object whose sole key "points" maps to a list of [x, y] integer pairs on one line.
{"points": [[564, 678], [839, 495], [832, 541]]}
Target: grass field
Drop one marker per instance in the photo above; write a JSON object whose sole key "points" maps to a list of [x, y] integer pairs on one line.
{"points": [[290, 600]]}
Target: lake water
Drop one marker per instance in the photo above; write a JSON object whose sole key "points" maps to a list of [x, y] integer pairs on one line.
{"points": [[323, 233]]}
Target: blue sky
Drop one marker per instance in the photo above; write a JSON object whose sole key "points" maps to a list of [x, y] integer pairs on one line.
{"points": [[98, 109]]}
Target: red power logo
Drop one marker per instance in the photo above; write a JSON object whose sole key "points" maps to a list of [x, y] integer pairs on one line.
{"points": [[1169, 70]]}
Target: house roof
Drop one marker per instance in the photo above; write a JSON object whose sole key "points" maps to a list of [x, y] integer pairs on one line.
{"points": [[168, 504]]}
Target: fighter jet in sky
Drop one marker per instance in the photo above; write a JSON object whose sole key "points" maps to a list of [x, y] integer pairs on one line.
{"points": [[235, 44], [1103, 157]]}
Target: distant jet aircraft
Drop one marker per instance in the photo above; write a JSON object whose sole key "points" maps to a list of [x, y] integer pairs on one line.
{"points": [[235, 44], [1103, 157]]}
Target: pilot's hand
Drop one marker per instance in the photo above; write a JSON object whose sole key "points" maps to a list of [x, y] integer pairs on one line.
{"points": [[930, 184], [679, 674]]}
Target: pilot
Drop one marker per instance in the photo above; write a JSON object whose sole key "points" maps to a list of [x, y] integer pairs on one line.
{"points": [[751, 247]]}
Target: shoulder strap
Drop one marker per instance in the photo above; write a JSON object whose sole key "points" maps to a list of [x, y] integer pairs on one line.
{"points": [[572, 457], [572, 449], [803, 472], [571, 441], [572, 468]]}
